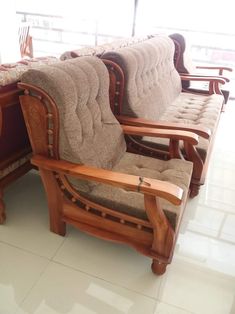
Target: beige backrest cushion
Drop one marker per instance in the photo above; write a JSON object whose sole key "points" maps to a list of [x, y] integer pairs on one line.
{"points": [[89, 133], [151, 80]]}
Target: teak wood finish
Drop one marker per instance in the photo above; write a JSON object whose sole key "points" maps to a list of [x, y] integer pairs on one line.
{"points": [[154, 237], [181, 67], [14, 143], [117, 83]]}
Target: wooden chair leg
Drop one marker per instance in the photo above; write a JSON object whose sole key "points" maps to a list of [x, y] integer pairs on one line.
{"points": [[194, 189], [163, 234], [2, 208], [54, 199], [158, 268]]}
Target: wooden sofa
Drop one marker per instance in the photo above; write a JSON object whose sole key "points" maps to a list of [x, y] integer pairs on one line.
{"points": [[91, 181], [15, 149], [152, 96]]}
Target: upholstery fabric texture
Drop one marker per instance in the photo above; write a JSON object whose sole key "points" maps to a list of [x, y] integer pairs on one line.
{"points": [[11, 72], [153, 89], [91, 135], [174, 171], [99, 50]]}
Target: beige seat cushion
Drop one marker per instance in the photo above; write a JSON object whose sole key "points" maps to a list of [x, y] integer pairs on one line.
{"points": [[201, 110], [175, 171], [190, 109]]}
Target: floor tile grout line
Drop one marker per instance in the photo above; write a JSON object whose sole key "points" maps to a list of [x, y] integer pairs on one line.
{"points": [[34, 284], [221, 228], [203, 268], [104, 280], [177, 307], [215, 208], [207, 207], [62, 243], [24, 250], [211, 237], [50, 261]]}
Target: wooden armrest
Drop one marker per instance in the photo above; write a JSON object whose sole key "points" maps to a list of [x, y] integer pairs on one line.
{"points": [[226, 79], [189, 137], [166, 190], [188, 77], [220, 68], [201, 131]]}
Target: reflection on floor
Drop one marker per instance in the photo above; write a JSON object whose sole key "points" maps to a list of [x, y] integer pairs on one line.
{"points": [[42, 273]]}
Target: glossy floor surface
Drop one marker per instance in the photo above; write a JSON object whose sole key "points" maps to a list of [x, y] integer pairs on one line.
{"points": [[43, 273]]}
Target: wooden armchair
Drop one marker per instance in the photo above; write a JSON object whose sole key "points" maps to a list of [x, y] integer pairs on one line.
{"points": [[91, 181], [184, 65]]}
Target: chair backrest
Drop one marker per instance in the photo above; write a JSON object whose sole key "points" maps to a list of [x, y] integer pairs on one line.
{"points": [[151, 80], [25, 40], [88, 133], [184, 63]]}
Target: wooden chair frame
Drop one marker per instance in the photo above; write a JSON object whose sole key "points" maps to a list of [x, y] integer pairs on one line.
{"points": [[154, 238], [219, 71], [9, 98], [117, 82]]}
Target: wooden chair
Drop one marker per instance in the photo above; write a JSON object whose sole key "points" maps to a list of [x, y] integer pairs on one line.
{"points": [[184, 65], [91, 181], [25, 40]]}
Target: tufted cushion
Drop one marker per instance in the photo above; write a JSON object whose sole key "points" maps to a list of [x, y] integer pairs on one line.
{"points": [[11, 72], [89, 133], [190, 109], [81, 94], [175, 171], [196, 110], [98, 50], [149, 72]]}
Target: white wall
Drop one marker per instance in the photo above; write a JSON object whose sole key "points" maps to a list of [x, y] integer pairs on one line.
{"points": [[9, 42]]}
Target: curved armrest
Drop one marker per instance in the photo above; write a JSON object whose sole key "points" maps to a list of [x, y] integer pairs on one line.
{"points": [[189, 137], [216, 79], [214, 82], [166, 190], [220, 68], [199, 130], [191, 76]]}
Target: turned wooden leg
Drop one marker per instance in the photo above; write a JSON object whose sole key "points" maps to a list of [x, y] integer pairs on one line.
{"points": [[158, 268], [2, 208], [194, 190]]}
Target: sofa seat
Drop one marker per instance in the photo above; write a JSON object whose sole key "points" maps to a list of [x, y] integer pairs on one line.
{"points": [[195, 109], [175, 171]]}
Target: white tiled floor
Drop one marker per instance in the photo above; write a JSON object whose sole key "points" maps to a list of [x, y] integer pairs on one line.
{"points": [[43, 273]]}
